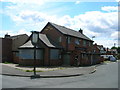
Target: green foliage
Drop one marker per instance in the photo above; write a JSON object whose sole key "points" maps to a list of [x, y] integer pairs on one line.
{"points": [[32, 71], [29, 70], [114, 48], [7, 62], [118, 56], [118, 49]]}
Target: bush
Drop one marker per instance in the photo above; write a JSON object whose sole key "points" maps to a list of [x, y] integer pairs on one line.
{"points": [[118, 56], [7, 62], [29, 70]]}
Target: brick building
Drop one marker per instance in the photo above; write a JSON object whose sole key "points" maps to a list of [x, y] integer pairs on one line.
{"points": [[6, 50], [9, 47], [59, 45]]}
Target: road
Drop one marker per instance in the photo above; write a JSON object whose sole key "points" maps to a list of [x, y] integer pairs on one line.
{"points": [[106, 76]]}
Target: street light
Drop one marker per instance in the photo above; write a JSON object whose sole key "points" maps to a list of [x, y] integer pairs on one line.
{"points": [[34, 40], [93, 37]]}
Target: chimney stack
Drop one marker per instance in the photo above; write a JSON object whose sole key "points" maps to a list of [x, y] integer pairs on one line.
{"points": [[7, 36], [81, 31]]}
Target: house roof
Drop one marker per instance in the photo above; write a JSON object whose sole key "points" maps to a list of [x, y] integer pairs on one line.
{"points": [[17, 36], [27, 45], [47, 41], [70, 32]]}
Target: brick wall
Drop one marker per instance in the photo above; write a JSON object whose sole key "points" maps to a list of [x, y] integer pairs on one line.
{"points": [[56, 62], [6, 50], [46, 57], [30, 62], [54, 35]]}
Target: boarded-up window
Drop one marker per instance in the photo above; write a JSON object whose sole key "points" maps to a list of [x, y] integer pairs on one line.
{"points": [[54, 54], [39, 54], [29, 54]]}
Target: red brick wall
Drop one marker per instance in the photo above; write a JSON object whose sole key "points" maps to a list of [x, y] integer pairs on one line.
{"points": [[54, 35]]}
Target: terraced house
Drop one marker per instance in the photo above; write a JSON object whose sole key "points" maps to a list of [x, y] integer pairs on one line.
{"points": [[59, 45]]}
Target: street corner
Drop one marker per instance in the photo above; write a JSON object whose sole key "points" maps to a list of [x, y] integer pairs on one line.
{"points": [[93, 71]]}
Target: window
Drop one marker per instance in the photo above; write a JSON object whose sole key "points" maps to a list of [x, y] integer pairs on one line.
{"points": [[29, 54], [84, 43], [69, 39], [77, 41], [60, 39], [54, 54], [89, 43]]}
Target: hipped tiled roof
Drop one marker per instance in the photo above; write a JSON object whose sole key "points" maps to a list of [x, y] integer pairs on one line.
{"points": [[47, 41], [27, 45]]}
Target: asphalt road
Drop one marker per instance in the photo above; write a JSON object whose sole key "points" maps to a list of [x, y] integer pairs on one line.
{"points": [[106, 76]]}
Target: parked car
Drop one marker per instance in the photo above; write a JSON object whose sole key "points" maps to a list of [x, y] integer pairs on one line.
{"points": [[106, 57], [112, 58]]}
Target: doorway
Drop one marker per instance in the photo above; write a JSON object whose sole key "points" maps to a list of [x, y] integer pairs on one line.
{"points": [[66, 59]]}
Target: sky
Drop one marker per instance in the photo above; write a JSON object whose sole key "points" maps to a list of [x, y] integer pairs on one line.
{"points": [[97, 18]]}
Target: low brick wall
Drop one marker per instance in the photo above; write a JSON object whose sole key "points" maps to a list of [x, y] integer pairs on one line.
{"points": [[15, 59], [55, 62], [30, 62]]}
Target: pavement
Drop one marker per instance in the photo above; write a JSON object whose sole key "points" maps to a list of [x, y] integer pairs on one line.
{"points": [[12, 70]]}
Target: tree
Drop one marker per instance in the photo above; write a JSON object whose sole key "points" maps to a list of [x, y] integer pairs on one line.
{"points": [[114, 47], [118, 49]]}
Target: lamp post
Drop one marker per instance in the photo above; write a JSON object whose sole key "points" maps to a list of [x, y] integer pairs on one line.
{"points": [[34, 40], [93, 37]]}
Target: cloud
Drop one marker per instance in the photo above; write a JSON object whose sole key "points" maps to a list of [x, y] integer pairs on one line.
{"points": [[29, 17], [106, 42], [94, 23], [13, 32], [116, 35], [109, 8], [37, 2], [77, 2], [117, 0]]}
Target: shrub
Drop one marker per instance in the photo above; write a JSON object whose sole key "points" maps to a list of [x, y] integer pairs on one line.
{"points": [[118, 56]]}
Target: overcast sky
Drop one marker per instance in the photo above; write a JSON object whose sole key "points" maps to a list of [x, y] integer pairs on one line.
{"points": [[99, 19]]}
